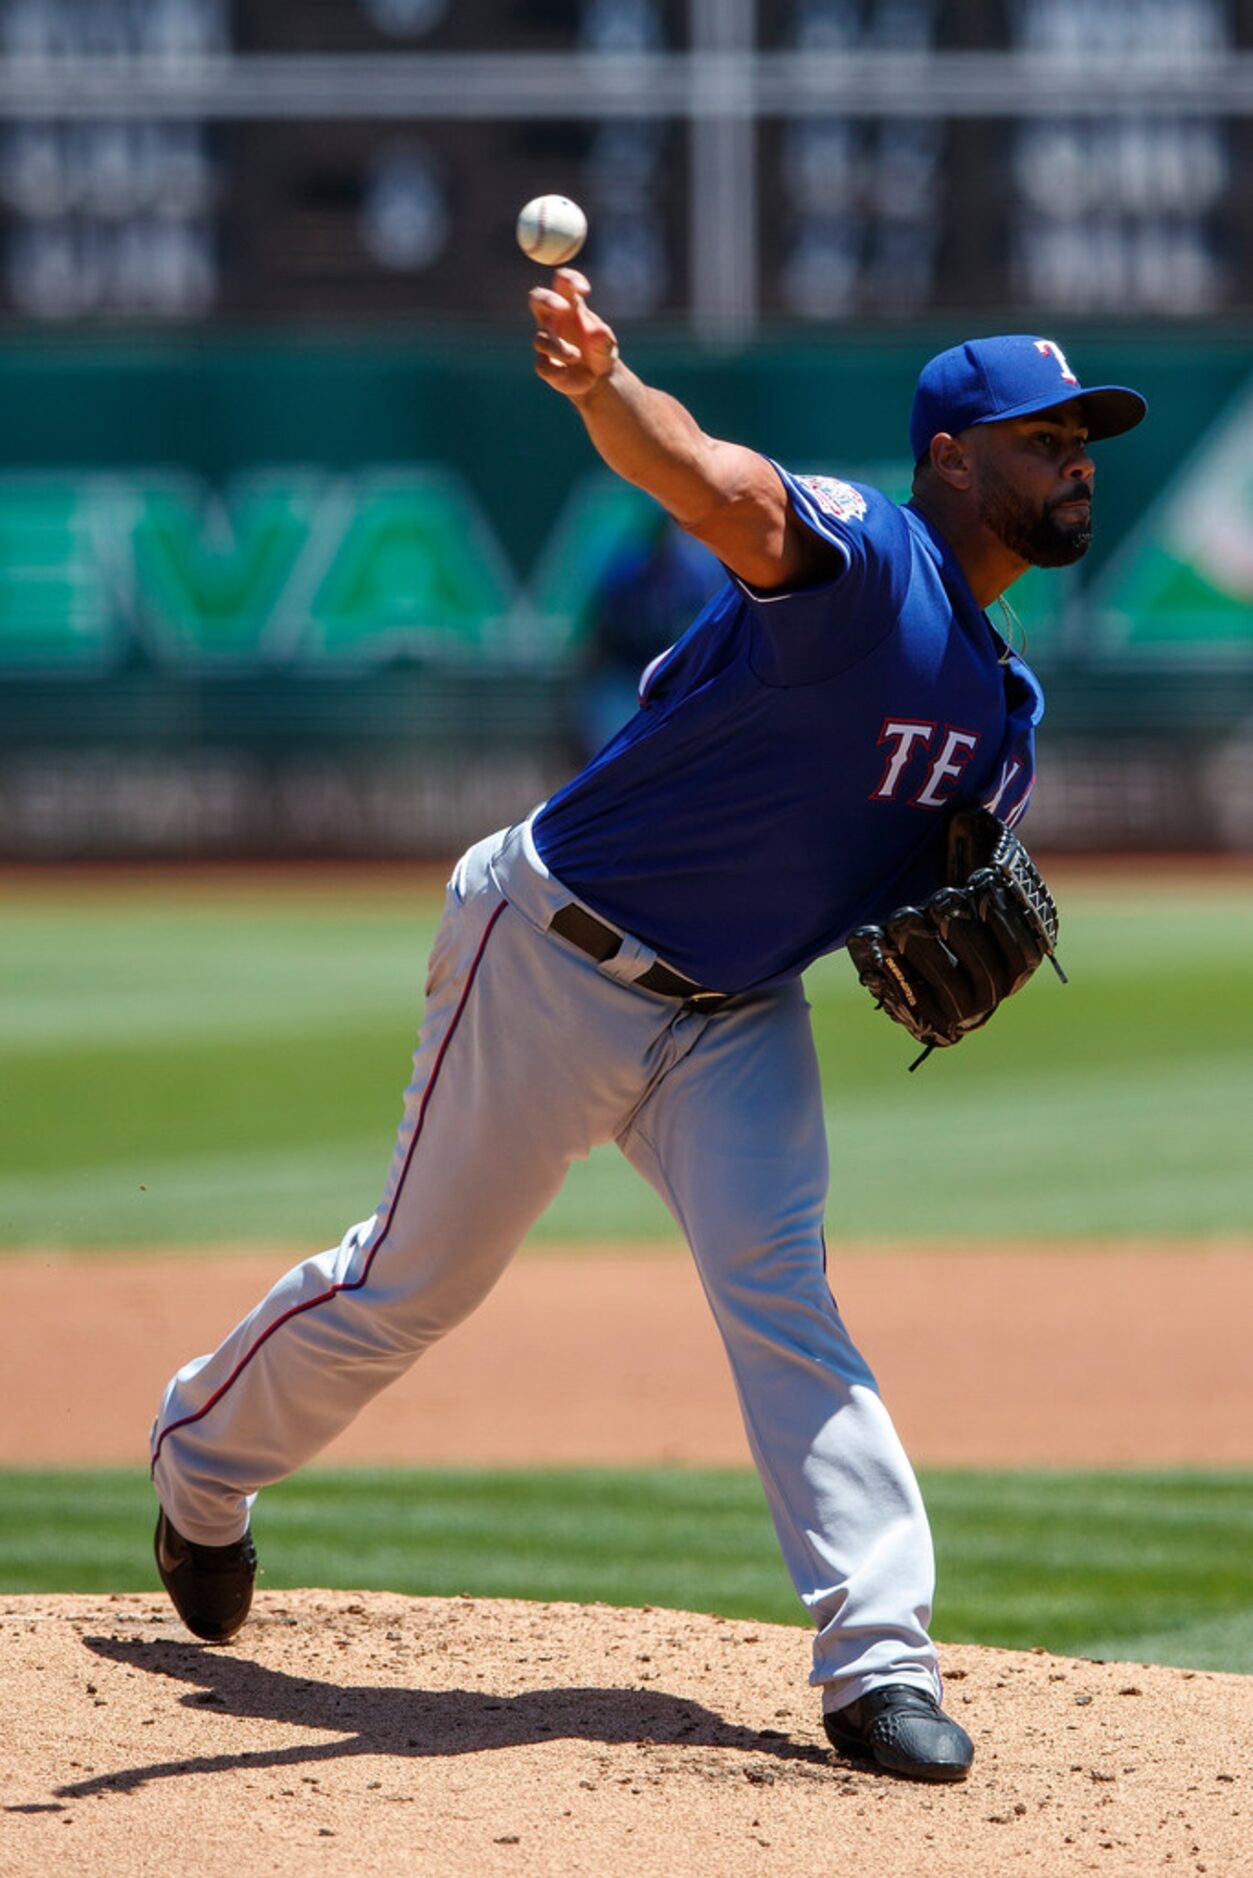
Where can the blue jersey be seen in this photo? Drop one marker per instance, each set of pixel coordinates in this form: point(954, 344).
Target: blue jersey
point(796, 755)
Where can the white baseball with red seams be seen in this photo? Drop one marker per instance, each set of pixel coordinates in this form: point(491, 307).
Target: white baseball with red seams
point(551, 230)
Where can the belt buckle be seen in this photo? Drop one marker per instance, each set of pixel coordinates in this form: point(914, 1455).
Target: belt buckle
point(706, 997)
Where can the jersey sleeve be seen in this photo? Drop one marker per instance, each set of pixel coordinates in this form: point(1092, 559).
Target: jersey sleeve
point(808, 634)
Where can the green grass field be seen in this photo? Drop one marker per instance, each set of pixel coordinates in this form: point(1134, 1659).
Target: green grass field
point(183, 1066)
point(1130, 1566)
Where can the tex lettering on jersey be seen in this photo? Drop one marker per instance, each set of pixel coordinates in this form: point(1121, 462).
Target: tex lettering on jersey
point(1012, 793)
point(925, 763)
point(926, 757)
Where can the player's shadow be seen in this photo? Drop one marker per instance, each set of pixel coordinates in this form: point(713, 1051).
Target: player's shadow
point(409, 1720)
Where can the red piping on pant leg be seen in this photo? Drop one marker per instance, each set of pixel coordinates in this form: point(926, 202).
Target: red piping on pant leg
point(354, 1284)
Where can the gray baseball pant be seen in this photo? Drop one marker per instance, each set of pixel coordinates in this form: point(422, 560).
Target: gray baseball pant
point(530, 1055)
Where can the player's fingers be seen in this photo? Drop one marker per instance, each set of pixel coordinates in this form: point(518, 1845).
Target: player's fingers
point(570, 380)
point(553, 346)
point(570, 284)
point(545, 304)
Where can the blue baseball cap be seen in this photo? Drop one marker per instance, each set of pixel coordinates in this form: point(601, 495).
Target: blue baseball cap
point(986, 380)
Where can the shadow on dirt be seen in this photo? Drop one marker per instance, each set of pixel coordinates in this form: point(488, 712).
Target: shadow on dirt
point(410, 1721)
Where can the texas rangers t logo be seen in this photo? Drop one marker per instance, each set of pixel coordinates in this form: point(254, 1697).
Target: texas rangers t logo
point(1051, 350)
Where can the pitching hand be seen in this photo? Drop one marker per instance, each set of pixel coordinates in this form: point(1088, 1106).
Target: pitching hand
point(574, 348)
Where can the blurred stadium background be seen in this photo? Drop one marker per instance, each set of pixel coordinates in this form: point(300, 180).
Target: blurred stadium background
point(296, 556)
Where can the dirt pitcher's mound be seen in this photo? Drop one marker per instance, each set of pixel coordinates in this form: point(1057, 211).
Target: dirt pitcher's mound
point(359, 1735)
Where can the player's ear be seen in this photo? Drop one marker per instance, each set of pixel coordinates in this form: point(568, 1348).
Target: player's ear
point(951, 460)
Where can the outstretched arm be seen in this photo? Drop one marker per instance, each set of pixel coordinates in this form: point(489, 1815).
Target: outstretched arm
point(725, 495)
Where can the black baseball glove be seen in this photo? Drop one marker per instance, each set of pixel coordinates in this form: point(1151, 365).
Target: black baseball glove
point(942, 968)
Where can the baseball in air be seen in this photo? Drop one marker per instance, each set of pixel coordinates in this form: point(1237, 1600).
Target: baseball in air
point(551, 230)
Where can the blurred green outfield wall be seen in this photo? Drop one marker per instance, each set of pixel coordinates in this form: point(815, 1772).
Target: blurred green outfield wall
point(224, 408)
point(245, 578)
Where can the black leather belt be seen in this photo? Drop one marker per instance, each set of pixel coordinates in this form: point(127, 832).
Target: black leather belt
point(601, 942)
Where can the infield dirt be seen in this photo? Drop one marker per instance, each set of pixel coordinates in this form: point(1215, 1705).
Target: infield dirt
point(472, 1738)
point(1076, 1356)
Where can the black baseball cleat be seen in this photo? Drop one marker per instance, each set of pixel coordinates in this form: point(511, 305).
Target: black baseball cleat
point(210, 1585)
point(904, 1731)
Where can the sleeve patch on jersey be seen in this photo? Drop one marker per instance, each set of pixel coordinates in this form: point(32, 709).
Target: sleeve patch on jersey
point(835, 498)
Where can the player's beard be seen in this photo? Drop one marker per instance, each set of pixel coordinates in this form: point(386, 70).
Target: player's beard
point(1035, 536)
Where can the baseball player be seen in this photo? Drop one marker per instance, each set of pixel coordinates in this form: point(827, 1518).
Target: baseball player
point(625, 964)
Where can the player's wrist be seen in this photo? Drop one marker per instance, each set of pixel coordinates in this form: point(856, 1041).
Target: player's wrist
point(604, 383)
